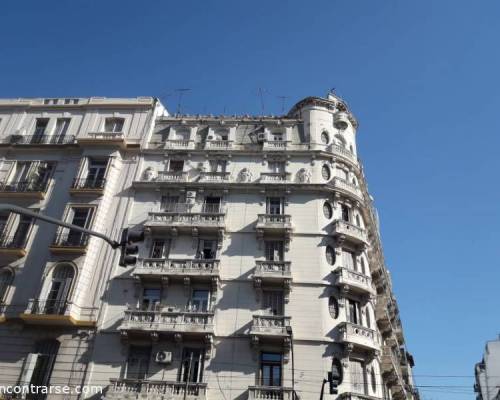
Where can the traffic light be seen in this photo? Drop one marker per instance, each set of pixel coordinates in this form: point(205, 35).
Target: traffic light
point(128, 250)
point(333, 383)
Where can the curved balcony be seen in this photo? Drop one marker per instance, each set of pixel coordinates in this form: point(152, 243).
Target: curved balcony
point(275, 177)
point(177, 269)
point(270, 393)
point(58, 313)
point(342, 152)
point(270, 329)
point(346, 231)
point(197, 324)
point(274, 224)
point(359, 336)
point(144, 389)
point(273, 272)
point(353, 281)
point(347, 188)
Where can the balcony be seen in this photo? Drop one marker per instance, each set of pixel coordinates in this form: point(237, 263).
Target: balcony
point(67, 242)
point(142, 389)
point(39, 140)
point(211, 221)
point(359, 336)
point(353, 281)
point(275, 177)
point(172, 176)
point(197, 324)
point(87, 186)
point(24, 189)
point(215, 177)
point(103, 139)
point(12, 247)
point(270, 393)
point(273, 272)
point(391, 366)
point(58, 313)
point(342, 152)
point(356, 396)
point(347, 188)
point(275, 145)
point(270, 328)
point(274, 224)
point(221, 145)
point(347, 231)
point(175, 269)
point(173, 144)
point(382, 315)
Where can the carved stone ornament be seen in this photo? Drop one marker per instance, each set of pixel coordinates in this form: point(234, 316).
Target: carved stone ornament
point(304, 175)
point(149, 174)
point(245, 175)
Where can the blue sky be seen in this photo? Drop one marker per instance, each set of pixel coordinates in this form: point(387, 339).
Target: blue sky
point(422, 78)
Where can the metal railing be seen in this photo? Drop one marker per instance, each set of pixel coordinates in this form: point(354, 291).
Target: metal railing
point(171, 390)
point(23, 187)
point(13, 242)
point(47, 306)
point(41, 139)
point(88, 183)
point(66, 238)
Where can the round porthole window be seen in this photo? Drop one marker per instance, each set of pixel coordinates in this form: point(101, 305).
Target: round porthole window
point(325, 172)
point(325, 138)
point(333, 307)
point(327, 210)
point(330, 255)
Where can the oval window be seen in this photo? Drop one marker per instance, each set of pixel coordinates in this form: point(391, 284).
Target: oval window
point(333, 307)
point(325, 172)
point(330, 255)
point(327, 210)
point(325, 138)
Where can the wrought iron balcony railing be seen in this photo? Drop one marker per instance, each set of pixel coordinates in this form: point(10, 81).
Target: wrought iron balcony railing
point(47, 306)
point(13, 242)
point(40, 139)
point(66, 238)
point(23, 187)
point(88, 184)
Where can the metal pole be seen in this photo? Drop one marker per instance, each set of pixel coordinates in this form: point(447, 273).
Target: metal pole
point(24, 211)
point(322, 389)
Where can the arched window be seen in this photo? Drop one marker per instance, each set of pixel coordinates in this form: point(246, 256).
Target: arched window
point(330, 255)
point(325, 172)
point(327, 210)
point(373, 377)
point(6, 278)
point(58, 290)
point(46, 353)
point(325, 137)
point(333, 307)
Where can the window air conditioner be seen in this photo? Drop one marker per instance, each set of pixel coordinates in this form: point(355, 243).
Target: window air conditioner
point(163, 357)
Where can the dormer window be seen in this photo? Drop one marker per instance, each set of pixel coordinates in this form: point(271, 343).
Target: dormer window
point(114, 125)
point(277, 136)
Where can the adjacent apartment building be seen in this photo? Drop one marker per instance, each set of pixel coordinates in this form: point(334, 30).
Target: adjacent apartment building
point(261, 271)
point(487, 373)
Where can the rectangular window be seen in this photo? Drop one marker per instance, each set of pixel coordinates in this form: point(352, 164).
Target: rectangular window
point(176, 165)
point(40, 127)
point(160, 248)
point(276, 166)
point(79, 216)
point(14, 230)
point(272, 302)
point(191, 369)
point(275, 205)
point(354, 315)
point(358, 376)
point(138, 362)
point(31, 175)
point(96, 172)
point(349, 259)
point(212, 204)
point(207, 249)
point(114, 125)
point(274, 250)
point(61, 129)
point(346, 213)
point(151, 299)
point(200, 300)
point(270, 369)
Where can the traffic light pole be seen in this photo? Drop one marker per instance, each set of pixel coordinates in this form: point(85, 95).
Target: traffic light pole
point(20, 210)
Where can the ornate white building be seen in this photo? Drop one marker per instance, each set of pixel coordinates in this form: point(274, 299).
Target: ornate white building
point(261, 272)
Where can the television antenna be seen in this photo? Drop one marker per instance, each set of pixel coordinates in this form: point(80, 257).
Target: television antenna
point(283, 98)
point(180, 93)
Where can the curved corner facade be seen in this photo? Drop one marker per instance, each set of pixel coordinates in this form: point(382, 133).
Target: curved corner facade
point(261, 272)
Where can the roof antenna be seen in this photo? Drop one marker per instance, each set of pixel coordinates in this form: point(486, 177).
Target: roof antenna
point(261, 100)
point(282, 103)
point(179, 103)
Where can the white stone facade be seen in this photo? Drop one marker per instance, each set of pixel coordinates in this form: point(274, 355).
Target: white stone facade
point(261, 270)
point(487, 372)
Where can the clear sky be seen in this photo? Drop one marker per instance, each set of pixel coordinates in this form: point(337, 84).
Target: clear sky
point(422, 78)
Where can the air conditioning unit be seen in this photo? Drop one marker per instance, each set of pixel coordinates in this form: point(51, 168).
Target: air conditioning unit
point(262, 137)
point(163, 357)
point(210, 136)
point(191, 194)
